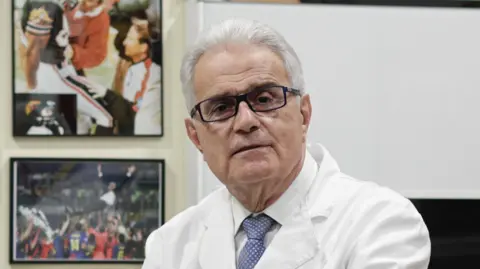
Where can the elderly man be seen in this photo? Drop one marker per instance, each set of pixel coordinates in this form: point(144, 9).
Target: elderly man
point(283, 206)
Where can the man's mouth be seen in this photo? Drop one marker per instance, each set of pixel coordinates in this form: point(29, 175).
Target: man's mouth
point(247, 148)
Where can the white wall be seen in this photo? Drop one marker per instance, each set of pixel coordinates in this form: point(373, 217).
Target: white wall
point(395, 90)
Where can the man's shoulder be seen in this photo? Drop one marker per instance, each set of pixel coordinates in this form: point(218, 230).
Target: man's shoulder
point(346, 191)
point(99, 23)
point(189, 220)
point(104, 16)
point(154, 77)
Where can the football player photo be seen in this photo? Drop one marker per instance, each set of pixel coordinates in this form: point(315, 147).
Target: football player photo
point(107, 53)
point(73, 210)
point(45, 114)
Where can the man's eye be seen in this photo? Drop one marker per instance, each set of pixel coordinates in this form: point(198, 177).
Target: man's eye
point(264, 99)
point(220, 108)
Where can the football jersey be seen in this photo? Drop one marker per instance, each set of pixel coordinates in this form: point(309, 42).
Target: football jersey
point(42, 18)
point(118, 252)
point(76, 240)
point(22, 249)
point(59, 246)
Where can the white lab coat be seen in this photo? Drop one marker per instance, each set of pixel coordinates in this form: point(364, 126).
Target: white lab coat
point(343, 223)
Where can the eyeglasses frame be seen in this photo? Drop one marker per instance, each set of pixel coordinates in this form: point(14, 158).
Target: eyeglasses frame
point(243, 97)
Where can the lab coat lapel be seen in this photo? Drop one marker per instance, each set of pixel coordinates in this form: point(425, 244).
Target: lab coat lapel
point(217, 247)
point(296, 242)
point(293, 245)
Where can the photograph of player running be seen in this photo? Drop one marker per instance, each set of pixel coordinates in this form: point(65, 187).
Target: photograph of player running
point(74, 210)
point(84, 47)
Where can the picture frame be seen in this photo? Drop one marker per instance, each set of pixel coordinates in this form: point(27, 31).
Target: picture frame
point(104, 57)
point(84, 210)
point(388, 3)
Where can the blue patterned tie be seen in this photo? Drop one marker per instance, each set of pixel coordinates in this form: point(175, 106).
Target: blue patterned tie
point(256, 228)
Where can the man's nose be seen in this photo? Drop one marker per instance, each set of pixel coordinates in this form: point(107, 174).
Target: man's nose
point(246, 120)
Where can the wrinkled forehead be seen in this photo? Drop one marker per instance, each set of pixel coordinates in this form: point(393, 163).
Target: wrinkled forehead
point(231, 69)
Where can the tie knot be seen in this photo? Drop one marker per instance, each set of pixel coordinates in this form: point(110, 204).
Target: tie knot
point(257, 227)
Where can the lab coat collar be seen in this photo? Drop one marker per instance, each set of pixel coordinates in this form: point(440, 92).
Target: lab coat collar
point(296, 242)
point(297, 238)
point(328, 167)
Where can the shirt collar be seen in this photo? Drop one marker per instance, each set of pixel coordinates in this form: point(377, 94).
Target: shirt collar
point(285, 205)
point(93, 13)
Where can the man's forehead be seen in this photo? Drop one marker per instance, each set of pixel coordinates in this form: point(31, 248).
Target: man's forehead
point(225, 71)
point(238, 55)
point(244, 87)
point(131, 31)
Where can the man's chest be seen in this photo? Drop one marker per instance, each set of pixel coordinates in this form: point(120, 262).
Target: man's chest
point(331, 250)
point(134, 84)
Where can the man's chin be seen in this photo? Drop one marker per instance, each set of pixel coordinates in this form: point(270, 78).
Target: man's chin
point(254, 170)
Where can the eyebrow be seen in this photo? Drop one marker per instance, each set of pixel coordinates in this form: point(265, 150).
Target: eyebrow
point(252, 87)
point(221, 95)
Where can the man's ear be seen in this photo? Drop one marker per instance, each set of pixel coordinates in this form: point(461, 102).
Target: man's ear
point(192, 133)
point(306, 111)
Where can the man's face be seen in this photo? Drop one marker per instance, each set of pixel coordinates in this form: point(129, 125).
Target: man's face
point(68, 5)
point(88, 5)
point(132, 45)
point(235, 69)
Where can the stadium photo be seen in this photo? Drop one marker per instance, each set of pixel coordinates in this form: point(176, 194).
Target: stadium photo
point(84, 210)
point(107, 53)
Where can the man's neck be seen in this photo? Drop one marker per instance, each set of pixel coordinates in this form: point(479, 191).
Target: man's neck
point(139, 58)
point(257, 197)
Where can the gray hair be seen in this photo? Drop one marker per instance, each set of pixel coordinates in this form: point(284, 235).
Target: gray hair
point(239, 30)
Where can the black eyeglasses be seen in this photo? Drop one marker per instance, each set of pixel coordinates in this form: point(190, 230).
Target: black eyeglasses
point(263, 99)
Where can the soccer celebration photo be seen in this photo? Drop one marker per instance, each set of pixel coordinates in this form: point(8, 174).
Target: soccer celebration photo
point(84, 210)
point(105, 54)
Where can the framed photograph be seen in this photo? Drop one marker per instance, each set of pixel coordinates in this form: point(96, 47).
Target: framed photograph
point(84, 210)
point(396, 3)
point(87, 68)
